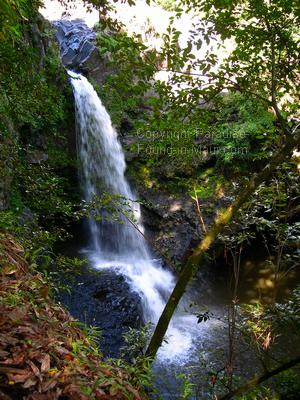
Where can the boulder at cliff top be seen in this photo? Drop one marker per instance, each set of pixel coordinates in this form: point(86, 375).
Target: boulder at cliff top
point(77, 43)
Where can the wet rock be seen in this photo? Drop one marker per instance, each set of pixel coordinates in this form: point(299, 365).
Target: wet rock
point(79, 51)
point(98, 68)
point(6, 162)
point(28, 219)
point(205, 145)
point(126, 125)
point(104, 299)
point(5, 182)
point(37, 36)
point(172, 224)
point(36, 156)
point(128, 144)
point(77, 44)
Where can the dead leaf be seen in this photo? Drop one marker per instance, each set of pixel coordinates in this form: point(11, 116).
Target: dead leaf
point(105, 371)
point(41, 337)
point(18, 358)
point(74, 392)
point(3, 396)
point(46, 396)
point(101, 395)
point(50, 384)
point(61, 350)
point(20, 378)
point(11, 370)
point(105, 384)
point(68, 357)
point(34, 368)
point(9, 270)
point(45, 291)
point(3, 354)
point(29, 383)
point(45, 363)
point(113, 391)
point(8, 361)
point(133, 391)
point(26, 330)
point(5, 339)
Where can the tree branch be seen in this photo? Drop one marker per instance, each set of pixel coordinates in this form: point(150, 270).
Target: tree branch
point(220, 222)
point(256, 381)
point(235, 86)
point(279, 116)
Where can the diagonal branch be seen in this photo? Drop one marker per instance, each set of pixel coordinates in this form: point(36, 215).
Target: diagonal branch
point(256, 381)
point(220, 222)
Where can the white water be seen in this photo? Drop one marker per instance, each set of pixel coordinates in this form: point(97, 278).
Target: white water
point(115, 245)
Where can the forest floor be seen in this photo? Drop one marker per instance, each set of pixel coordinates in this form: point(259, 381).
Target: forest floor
point(44, 355)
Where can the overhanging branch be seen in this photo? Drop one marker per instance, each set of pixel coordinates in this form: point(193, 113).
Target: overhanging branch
point(220, 222)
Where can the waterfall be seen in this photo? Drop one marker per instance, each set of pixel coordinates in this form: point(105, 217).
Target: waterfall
point(103, 169)
point(119, 245)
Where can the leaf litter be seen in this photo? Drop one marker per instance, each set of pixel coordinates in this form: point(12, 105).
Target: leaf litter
point(37, 359)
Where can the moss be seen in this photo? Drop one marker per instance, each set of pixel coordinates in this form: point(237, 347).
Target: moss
point(35, 121)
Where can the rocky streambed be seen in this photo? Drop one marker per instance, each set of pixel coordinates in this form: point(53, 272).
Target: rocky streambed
point(103, 299)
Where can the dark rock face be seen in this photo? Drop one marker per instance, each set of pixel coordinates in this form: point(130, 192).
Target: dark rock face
point(79, 52)
point(172, 224)
point(104, 299)
point(4, 191)
point(77, 44)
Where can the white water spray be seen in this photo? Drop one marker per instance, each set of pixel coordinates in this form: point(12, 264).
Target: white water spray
point(115, 245)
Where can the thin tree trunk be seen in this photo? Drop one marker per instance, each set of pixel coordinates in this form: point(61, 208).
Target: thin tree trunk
point(200, 213)
point(222, 219)
point(256, 381)
point(232, 313)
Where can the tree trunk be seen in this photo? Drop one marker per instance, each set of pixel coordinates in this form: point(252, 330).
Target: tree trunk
point(222, 219)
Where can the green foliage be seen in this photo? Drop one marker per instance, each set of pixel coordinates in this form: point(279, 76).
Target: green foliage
point(13, 14)
point(42, 189)
point(261, 65)
point(187, 387)
point(272, 211)
point(287, 384)
point(130, 76)
point(262, 325)
point(257, 325)
point(135, 342)
point(244, 129)
point(139, 366)
point(32, 102)
point(72, 265)
point(208, 185)
point(287, 314)
point(40, 103)
point(33, 117)
point(261, 60)
point(39, 212)
point(168, 5)
point(139, 373)
point(259, 393)
point(237, 132)
point(109, 207)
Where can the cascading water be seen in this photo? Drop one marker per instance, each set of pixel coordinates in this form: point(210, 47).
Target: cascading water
point(103, 169)
point(120, 245)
